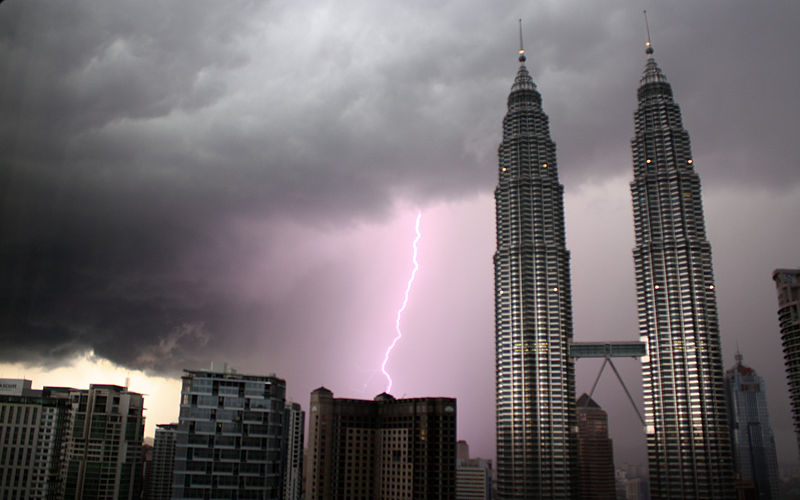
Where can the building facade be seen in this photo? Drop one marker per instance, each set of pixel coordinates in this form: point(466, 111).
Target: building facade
point(684, 398)
point(753, 443)
point(595, 453)
point(32, 429)
point(228, 441)
point(535, 377)
point(159, 486)
point(292, 450)
point(104, 443)
point(787, 282)
point(386, 448)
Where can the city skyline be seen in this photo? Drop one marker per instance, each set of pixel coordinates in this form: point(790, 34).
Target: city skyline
point(238, 188)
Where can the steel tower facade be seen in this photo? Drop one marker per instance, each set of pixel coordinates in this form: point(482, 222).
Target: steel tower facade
point(685, 413)
point(536, 424)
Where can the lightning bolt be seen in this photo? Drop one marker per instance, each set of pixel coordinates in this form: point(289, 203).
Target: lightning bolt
point(397, 329)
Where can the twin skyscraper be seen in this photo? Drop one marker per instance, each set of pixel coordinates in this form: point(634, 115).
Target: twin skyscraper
point(684, 399)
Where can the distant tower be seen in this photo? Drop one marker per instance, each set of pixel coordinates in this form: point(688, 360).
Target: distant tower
point(787, 281)
point(292, 450)
point(685, 413)
point(160, 486)
point(751, 433)
point(535, 375)
point(595, 452)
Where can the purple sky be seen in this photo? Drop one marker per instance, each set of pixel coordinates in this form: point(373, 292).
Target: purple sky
point(181, 182)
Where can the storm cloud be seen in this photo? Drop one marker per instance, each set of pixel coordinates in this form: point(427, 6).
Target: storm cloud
point(185, 180)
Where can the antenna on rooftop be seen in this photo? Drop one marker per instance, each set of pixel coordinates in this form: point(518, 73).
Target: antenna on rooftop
point(649, 44)
point(521, 46)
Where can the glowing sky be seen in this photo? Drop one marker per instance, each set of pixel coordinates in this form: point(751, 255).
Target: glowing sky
point(181, 183)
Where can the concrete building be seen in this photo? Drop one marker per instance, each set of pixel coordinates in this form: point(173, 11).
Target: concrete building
point(753, 443)
point(228, 441)
point(292, 450)
point(104, 443)
point(595, 452)
point(32, 430)
point(787, 282)
point(473, 479)
point(159, 486)
point(684, 399)
point(381, 449)
point(535, 376)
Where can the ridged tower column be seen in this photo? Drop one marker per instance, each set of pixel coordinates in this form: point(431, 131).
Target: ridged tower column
point(684, 399)
point(536, 440)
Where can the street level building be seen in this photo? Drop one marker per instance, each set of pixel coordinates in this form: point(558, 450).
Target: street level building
point(32, 428)
point(386, 449)
point(228, 442)
point(787, 282)
point(595, 453)
point(535, 376)
point(684, 399)
point(752, 440)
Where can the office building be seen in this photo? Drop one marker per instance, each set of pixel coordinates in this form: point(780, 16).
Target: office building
point(595, 452)
point(684, 399)
point(104, 443)
point(228, 441)
point(535, 376)
point(787, 282)
point(473, 479)
point(752, 440)
point(159, 485)
point(32, 428)
point(292, 450)
point(386, 448)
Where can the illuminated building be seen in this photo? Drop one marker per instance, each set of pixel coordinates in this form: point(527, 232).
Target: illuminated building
point(535, 378)
point(787, 282)
point(228, 441)
point(386, 448)
point(684, 399)
point(595, 453)
point(752, 440)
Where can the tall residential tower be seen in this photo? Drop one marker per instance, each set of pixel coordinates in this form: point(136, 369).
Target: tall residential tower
point(536, 441)
point(685, 413)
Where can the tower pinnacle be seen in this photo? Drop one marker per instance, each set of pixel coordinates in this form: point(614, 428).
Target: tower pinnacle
point(649, 44)
point(521, 47)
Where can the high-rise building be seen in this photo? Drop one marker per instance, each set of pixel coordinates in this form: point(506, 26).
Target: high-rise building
point(159, 486)
point(752, 440)
point(535, 376)
point(684, 398)
point(386, 448)
point(595, 452)
point(104, 443)
point(787, 282)
point(292, 450)
point(228, 441)
point(32, 428)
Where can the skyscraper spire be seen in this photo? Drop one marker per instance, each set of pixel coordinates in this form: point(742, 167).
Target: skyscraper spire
point(536, 439)
point(649, 44)
point(521, 46)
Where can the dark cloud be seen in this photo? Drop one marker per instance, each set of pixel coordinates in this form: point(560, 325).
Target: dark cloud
point(179, 178)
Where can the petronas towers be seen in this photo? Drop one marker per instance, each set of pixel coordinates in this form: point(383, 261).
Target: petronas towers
point(685, 413)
